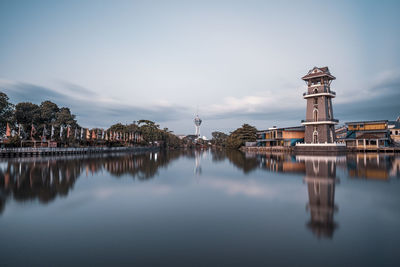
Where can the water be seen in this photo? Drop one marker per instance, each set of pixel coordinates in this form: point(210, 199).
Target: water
point(200, 208)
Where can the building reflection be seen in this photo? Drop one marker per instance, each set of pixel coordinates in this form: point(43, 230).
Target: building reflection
point(281, 162)
point(321, 180)
point(373, 166)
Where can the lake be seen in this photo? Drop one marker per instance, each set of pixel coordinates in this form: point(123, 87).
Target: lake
point(200, 208)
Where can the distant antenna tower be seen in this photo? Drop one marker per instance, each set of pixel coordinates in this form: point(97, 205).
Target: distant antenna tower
point(197, 123)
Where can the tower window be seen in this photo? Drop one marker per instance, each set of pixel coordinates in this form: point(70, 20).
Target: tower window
point(315, 101)
point(315, 90)
point(315, 137)
point(315, 114)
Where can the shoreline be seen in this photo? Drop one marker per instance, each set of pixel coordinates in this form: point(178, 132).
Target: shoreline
point(293, 150)
point(45, 151)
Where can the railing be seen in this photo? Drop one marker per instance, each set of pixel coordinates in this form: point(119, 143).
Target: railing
point(320, 120)
point(337, 144)
point(63, 150)
point(324, 92)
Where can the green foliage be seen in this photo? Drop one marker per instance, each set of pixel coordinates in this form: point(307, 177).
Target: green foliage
point(151, 131)
point(45, 115)
point(26, 114)
point(219, 138)
point(65, 118)
point(240, 136)
point(118, 127)
point(48, 112)
point(6, 112)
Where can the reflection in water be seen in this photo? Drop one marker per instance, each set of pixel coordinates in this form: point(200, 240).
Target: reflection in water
point(373, 166)
point(198, 154)
point(246, 162)
point(258, 207)
point(320, 176)
point(362, 165)
point(321, 180)
point(46, 178)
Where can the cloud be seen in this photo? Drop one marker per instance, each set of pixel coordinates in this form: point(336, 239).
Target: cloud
point(259, 106)
point(92, 109)
point(252, 188)
point(108, 192)
point(379, 100)
point(282, 106)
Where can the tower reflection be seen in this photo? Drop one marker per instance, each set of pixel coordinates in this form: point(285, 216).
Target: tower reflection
point(320, 177)
point(321, 181)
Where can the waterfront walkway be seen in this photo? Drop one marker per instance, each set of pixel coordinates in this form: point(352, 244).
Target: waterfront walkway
point(347, 149)
point(45, 151)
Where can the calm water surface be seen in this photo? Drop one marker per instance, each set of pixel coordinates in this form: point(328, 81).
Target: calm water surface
point(200, 208)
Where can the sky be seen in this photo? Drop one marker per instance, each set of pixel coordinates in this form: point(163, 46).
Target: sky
point(232, 62)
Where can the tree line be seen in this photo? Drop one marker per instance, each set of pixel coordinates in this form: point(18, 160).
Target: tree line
point(29, 121)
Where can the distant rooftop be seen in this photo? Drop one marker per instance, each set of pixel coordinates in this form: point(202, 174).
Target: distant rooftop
point(366, 122)
point(293, 128)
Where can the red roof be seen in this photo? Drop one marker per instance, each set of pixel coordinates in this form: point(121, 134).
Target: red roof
point(318, 72)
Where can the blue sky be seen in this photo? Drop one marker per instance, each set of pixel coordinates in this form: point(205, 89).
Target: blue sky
point(237, 61)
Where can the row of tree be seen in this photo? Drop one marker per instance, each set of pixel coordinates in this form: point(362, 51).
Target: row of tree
point(150, 133)
point(26, 118)
point(30, 121)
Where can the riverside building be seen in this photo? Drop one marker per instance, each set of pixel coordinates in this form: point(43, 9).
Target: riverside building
point(367, 134)
point(274, 137)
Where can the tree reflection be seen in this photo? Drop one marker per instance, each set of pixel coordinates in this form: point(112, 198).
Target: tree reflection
point(44, 179)
point(244, 161)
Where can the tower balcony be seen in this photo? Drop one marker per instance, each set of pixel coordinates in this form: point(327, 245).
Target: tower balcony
point(321, 121)
point(328, 94)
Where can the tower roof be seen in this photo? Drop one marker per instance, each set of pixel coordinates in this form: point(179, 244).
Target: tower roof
point(318, 72)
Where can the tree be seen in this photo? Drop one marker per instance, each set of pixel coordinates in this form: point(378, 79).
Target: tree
point(65, 118)
point(219, 138)
point(240, 136)
point(118, 127)
point(48, 111)
point(26, 114)
point(6, 112)
point(150, 130)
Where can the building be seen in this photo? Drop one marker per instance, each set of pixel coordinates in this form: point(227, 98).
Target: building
point(394, 128)
point(341, 133)
point(319, 123)
point(367, 134)
point(273, 137)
